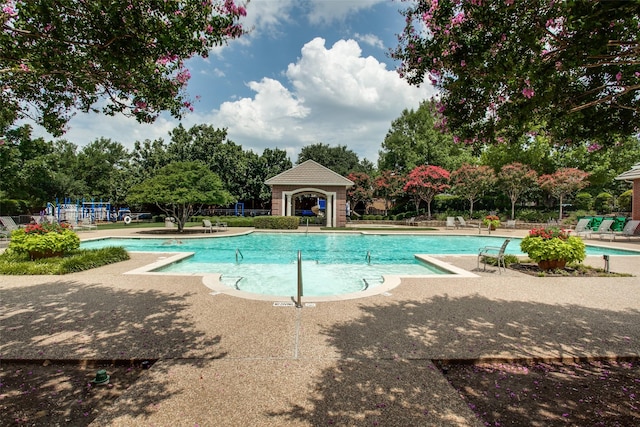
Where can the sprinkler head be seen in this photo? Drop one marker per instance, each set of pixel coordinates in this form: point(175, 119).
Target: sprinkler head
point(101, 378)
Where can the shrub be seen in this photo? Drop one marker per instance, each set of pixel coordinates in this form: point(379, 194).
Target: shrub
point(12, 263)
point(603, 203)
point(624, 201)
point(44, 240)
point(583, 201)
point(552, 243)
point(276, 222)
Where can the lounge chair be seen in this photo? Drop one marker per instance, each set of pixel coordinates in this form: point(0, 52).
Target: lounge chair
point(605, 229)
point(221, 225)
point(208, 227)
point(511, 223)
point(87, 224)
point(494, 252)
point(582, 228)
point(411, 221)
point(8, 223)
point(630, 230)
point(463, 223)
point(451, 222)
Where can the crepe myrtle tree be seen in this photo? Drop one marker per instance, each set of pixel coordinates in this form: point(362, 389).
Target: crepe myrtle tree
point(470, 182)
point(515, 179)
point(501, 65)
point(563, 182)
point(101, 55)
point(179, 189)
point(424, 182)
point(388, 185)
point(361, 191)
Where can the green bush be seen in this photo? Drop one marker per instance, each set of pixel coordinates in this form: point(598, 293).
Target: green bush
point(553, 244)
point(624, 201)
point(276, 222)
point(583, 201)
point(12, 263)
point(44, 240)
point(603, 203)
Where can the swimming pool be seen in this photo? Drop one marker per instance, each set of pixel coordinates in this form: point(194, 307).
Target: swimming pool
point(333, 263)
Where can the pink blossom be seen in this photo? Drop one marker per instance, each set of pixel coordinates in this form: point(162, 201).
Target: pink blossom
point(637, 74)
point(619, 76)
point(9, 10)
point(463, 63)
point(508, 2)
point(528, 92)
point(458, 19)
point(24, 67)
point(593, 147)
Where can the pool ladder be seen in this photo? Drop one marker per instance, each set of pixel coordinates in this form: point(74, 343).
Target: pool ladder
point(239, 258)
point(368, 257)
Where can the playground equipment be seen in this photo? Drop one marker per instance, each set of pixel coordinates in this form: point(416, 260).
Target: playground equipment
point(68, 211)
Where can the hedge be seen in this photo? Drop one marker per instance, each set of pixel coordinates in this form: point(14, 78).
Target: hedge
point(276, 222)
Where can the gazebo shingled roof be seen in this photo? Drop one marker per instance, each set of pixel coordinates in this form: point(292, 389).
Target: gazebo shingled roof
point(309, 173)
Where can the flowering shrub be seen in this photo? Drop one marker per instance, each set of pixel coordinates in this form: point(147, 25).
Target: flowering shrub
point(491, 220)
point(553, 243)
point(44, 240)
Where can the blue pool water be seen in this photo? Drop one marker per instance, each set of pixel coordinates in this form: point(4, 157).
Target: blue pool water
point(332, 263)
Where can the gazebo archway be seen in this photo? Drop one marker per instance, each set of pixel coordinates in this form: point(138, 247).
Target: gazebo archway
point(310, 178)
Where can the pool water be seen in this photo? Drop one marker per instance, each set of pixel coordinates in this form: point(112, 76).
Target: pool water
point(332, 264)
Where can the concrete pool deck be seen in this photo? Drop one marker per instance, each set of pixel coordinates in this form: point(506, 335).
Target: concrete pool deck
point(223, 360)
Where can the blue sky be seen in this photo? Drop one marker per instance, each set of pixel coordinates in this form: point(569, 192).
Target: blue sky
point(309, 71)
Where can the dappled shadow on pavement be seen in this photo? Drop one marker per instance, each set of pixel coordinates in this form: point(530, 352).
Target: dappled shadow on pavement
point(384, 372)
point(67, 320)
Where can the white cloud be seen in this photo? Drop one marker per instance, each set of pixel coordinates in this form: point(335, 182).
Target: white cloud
point(337, 97)
point(327, 11)
point(370, 39)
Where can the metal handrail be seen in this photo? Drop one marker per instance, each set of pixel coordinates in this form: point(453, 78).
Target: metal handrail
point(239, 253)
point(299, 300)
point(368, 257)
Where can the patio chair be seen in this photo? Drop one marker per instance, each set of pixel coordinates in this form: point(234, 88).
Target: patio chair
point(8, 223)
point(221, 226)
point(582, 227)
point(494, 252)
point(411, 221)
point(511, 223)
point(630, 230)
point(87, 224)
point(463, 223)
point(605, 229)
point(451, 222)
point(208, 227)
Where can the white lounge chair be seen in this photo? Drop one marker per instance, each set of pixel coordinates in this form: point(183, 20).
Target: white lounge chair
point(451, 222)
point(411, 221)
point(208, 227)
point(221, 225)
point(463, 223)
point(8, 223)
point(495, 252)
point(630, 230)
point(582, 228)
point(605, 229)
point(511, 223)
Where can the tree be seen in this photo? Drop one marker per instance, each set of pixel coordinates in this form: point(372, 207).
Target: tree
point(58, 56)
point(424, 182)
point(339, 159)
point(388, 185)
point(180, 188)
point(563, 182)
point(362, 190)
point(572, 66)
point(101, 166)
point(471, 182)
point(516, 178)
point(414, 140)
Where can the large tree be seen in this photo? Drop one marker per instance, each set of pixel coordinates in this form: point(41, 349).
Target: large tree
point(414, 140)
point(362, 190)
point(515, 179)
point(339, 159)
point(424, 182)
point(572, 66)
point(470, 182)
point(179, 189)
point(563, 182)
point(59, 56)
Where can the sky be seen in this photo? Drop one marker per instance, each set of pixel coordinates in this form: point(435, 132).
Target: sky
point(308, 72)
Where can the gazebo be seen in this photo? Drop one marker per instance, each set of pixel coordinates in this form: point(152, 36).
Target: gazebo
point(633, 176)
point(310, 178)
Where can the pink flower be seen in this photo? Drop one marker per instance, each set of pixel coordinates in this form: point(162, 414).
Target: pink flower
point(458, 19)
point(619, 76)
point(528, 92)
point(24, 67)
point(463, 63)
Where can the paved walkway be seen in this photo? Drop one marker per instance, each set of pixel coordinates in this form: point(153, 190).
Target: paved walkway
point(223, 360)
